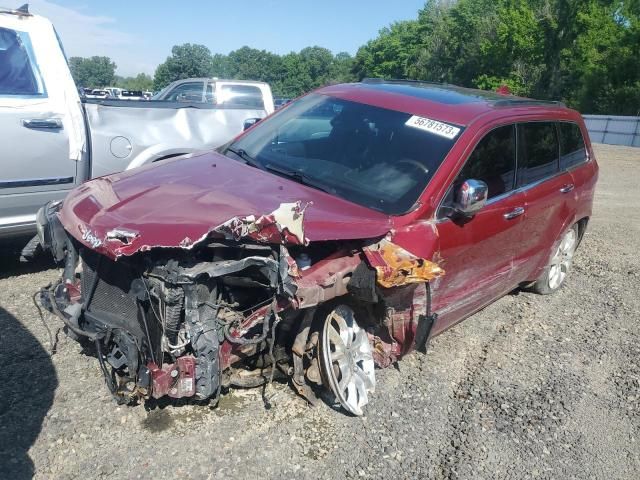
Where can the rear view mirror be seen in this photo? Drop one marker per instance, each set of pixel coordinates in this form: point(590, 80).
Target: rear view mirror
point(471, 197)
point(250, 122)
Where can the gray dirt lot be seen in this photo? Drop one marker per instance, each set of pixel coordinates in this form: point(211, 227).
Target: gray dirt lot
point(531, 387)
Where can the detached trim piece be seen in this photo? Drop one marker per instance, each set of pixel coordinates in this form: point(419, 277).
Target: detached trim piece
point(36, 182)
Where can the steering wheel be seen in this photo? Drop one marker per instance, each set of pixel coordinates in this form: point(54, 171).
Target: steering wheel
point(415, 164)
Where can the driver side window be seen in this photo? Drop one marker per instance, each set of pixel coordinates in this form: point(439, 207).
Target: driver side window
point(493, 161)
point(18, 70)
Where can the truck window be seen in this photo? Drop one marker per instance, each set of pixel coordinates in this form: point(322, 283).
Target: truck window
point(18, 71)
point(537, 152)
point(572, 149)
point(246, 96)
point(186, 92)
point(209, 97)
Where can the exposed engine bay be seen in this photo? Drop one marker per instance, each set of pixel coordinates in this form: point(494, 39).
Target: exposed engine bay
point(240, 309)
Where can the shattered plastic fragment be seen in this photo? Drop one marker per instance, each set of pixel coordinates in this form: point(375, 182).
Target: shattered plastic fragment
point(396, 266)
point(122, 235)
point(283, 225)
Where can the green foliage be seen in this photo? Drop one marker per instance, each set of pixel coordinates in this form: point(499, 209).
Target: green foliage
point(584, 52)
point(252, 64)
point(289, 75)
point(142, 82)
point(186, 61)
point(392, 55)
point(604, 60)
point(92, 72)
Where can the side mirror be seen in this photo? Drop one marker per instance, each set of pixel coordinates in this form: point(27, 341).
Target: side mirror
point(250, 122)
point(471, 197)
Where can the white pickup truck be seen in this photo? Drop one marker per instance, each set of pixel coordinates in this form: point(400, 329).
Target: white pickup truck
point(53, 141)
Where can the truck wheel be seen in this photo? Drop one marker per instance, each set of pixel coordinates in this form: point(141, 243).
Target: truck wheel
point(31, 250)
point(555, 273)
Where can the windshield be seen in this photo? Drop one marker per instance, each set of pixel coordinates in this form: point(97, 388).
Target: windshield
point(378, 158)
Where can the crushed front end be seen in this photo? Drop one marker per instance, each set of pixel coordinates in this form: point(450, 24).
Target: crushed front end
point(249, 301)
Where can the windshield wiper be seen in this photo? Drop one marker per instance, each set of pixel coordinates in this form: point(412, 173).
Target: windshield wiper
point(248, 159)
point(300, 177)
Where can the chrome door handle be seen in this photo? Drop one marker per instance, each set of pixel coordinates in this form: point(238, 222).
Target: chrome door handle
point(516, 212)
point(43, 123)
point(567, 188)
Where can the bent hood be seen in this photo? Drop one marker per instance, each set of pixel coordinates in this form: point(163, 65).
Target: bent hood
point(180, 202)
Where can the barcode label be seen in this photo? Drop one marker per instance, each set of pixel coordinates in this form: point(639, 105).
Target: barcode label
point(433, 126)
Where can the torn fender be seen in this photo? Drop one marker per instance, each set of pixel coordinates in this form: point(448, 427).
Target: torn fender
point(396, 266)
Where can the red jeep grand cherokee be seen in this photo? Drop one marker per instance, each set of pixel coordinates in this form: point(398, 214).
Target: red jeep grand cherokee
point(339, 234)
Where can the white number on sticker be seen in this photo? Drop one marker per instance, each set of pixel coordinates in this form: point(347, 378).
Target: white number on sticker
point(433, 126)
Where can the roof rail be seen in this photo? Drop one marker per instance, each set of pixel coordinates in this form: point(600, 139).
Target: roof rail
point(506, 101)
point(22, 11)
point(373, 81)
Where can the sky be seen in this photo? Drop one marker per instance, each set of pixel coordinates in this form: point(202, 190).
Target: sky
point(139, 34)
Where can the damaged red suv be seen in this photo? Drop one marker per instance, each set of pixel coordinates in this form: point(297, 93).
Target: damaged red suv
point(334, 237)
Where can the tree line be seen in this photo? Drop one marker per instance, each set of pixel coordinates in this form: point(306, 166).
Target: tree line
point(583, 52)
point(289, 75)
point(96, 72)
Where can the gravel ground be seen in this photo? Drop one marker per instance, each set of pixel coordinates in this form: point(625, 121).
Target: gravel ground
point(531, 387)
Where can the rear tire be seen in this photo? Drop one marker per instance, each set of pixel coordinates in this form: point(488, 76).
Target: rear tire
point(555, 273)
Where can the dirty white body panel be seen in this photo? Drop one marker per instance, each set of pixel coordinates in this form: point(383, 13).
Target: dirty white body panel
point(52, 142)
point(126, 135)
point(44, 145)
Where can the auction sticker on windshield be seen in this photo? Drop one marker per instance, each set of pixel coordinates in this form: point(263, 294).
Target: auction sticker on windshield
point(433, 126)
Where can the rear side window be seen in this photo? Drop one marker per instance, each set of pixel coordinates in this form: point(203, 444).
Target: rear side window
point(493, 161)
point(241, 96)
point(18, 71)
point(538, 156)
point(572, 148)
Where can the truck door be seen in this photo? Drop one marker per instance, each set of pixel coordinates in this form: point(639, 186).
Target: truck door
point(42, 139)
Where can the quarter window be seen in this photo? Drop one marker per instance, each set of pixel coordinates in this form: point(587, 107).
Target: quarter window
point(572, 149)
point(18, 71)
point(538, 145)
point(493, 161)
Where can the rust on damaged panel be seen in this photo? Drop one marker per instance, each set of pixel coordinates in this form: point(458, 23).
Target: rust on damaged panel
point(396, 266)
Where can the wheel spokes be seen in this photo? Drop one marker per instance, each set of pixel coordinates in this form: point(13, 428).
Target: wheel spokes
point(336, 339)
point(347, 359)
point(342, 327)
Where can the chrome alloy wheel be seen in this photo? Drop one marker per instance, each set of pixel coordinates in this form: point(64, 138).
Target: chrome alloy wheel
point(561, 261)
point(347, 359)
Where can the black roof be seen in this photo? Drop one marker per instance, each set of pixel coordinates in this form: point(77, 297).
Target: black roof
point(450, 94)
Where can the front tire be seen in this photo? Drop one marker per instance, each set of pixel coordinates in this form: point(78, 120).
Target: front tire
point(555, 273)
